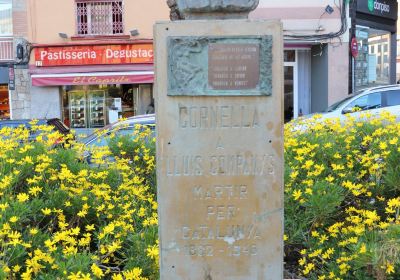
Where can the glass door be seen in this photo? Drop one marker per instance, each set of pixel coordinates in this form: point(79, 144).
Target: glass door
point(290, 86)
point(288, 93)
point(97, 108)
point(77, 105)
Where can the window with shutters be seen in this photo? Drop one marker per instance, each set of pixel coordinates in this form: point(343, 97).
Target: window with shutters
point(96, 17)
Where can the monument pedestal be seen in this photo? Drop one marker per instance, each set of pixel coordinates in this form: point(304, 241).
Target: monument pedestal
point(219, 100)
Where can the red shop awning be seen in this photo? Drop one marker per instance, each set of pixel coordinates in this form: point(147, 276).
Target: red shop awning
point(95, 78)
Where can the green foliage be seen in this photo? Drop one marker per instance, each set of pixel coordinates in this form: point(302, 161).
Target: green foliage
point(63, 218)
point(342, 198)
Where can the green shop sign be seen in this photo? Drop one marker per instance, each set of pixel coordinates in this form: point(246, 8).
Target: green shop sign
point(371, 5)
point(380, 8)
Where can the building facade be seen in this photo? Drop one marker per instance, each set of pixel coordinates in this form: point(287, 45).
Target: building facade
point(333, 48)
point(374, 28)
point(91, 61)
point(13, 56)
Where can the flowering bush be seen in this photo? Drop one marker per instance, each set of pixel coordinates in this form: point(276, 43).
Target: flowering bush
point(62, 218)
point(342, 198)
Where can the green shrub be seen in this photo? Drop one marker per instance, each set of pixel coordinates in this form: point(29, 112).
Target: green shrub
point(62, 218)
point(342, 198)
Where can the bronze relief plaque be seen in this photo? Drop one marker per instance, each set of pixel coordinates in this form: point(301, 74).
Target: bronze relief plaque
point(220, 66)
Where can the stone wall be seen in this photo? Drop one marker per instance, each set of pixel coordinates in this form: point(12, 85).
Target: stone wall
point(20, 97)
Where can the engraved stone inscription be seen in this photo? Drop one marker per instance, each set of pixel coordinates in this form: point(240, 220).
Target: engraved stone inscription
point(233, 66)
point(220, 165)
point(219, 150)
point(213, 117)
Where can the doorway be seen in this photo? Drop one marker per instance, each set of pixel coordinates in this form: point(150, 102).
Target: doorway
point(290, 85)
point(297, 95)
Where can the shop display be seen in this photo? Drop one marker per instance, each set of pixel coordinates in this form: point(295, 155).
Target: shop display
point(97, 106)
point(361, 69)
point(4, 103)
point(77, 104)
point(94, 106)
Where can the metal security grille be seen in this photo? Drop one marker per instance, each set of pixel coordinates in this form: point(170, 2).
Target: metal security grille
point(99, 17)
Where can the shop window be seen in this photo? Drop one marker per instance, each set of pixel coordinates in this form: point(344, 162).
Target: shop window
point(99, 17)
point(385, 59)
point(371, 66)
point(95, 106)
point(385, 48)
point(4, 103)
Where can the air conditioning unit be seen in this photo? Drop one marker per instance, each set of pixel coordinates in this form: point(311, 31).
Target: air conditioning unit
point(22, 50)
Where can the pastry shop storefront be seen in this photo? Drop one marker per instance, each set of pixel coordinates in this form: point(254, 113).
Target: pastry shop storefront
point(90, 86)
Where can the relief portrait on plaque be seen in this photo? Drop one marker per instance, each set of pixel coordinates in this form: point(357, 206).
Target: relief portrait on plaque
point(184, 69)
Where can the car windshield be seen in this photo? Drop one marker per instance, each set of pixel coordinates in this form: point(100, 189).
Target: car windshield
point(336, 105)
point(97, 133)
point(147, 120)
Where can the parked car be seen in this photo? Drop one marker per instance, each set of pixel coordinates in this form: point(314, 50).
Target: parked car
point(125, 127)
point(101, 137)
point(374, 100)
point(55, 122)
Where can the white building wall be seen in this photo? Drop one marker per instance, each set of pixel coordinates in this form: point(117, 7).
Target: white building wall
point(45, 103)
point(306, 17)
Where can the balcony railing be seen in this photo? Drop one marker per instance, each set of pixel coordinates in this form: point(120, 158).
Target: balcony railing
point(6, 49)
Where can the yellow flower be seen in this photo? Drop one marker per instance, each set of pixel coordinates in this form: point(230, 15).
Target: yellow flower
point(117, 277)
point(27, 274)
point(14, 219)
point(383, 145)
point(46, 211)
point(22, 197)
point(97, 271)
point(323, 238)
point(35, 190)
point(363, 249)
point(314, 234)
point(394, 141)
point(309, 267)
point(297, 194)
point(89, 227)
point(133, 274)
point(389, 268)
point(3, 206)
point(82, 213)
point(33, 231)
point(152, 252)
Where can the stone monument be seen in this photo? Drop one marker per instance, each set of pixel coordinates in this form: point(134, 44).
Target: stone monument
point(219, 99)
